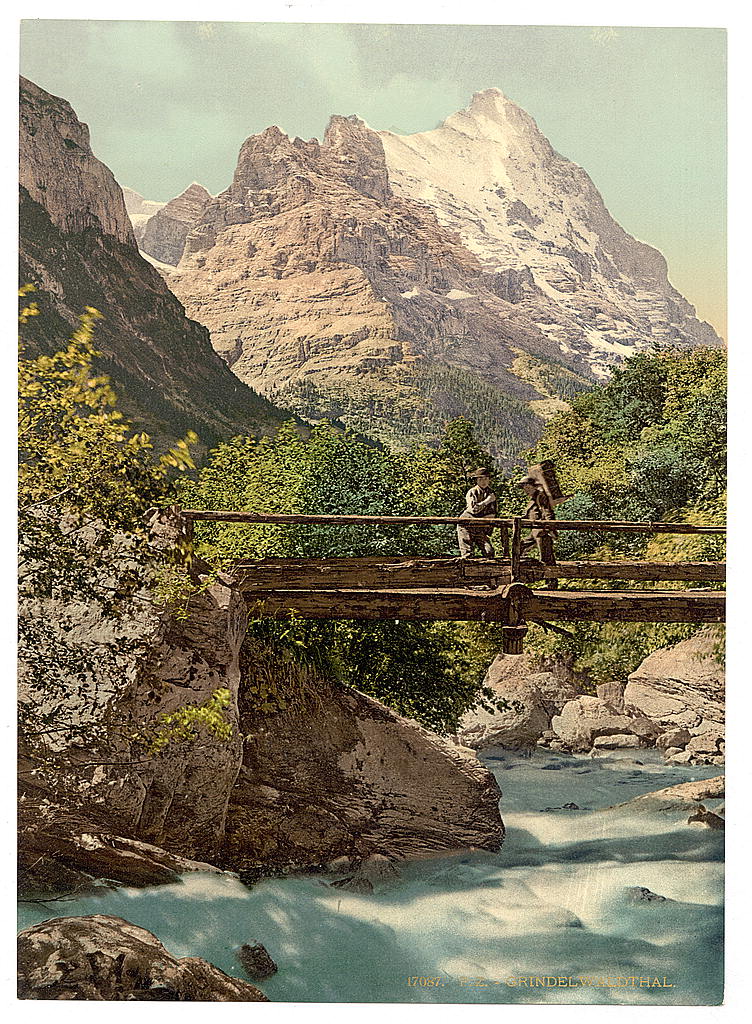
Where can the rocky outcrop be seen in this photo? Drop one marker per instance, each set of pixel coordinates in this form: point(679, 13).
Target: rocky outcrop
point(62, 850)
point(531, 696)
point(255, 961)
point(127, 788)
point(139, 211)
point(685, 796)
point(165, 233)
point(59, 171)
point(681, 686)
point(583, 719)
point(114, 766)
point(106, 958)
point(337, 773)
point(78, 249)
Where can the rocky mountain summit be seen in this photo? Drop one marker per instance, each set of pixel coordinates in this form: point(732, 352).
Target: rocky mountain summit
point(78, 248)
point(395, 281)
point(492, 177)
point(165, 232)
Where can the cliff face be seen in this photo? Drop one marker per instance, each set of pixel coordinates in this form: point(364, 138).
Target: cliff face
point(139, 210)
point(78, 248)
point(490, 175)
point(59, 171)
point(397, 281)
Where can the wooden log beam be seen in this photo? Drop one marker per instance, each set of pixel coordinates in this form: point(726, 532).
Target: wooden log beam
point(459, 605)
point(627, 606)
point(690, 572)
point(397, 573)
point(279, 518)
point(368, 572)
point(436, 605)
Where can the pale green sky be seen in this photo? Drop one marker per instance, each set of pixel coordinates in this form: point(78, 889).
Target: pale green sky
point(643, 110)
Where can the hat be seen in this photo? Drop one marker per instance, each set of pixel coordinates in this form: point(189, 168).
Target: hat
point(527, 480)
point(481, 471)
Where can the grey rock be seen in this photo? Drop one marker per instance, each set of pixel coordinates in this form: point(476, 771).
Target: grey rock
point(354, 779)
point(106, 958)
point(378, 868)
point(533, 695)
point(646, 729)
point(639, 894)
point(683, 757)
point(619, 741)
point(340, 865)
point(164, 234)
point(673, 738)
point(706, 817)
point(355, 884)
point(60, 172)
point(612, 693)
point(709, 741)
point(583, 719)
point(684, 796)
point(255, 961)
point(176, 799)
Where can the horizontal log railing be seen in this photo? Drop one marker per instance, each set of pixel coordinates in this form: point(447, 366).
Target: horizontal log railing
point(586, 525)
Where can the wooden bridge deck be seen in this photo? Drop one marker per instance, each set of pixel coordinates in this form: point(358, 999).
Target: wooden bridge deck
point(476, 589)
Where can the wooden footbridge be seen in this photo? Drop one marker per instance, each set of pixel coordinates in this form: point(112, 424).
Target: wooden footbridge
point(513, 591)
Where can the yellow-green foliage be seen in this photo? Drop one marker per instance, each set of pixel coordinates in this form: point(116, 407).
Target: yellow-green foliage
point(76, 449)
point(185, 724)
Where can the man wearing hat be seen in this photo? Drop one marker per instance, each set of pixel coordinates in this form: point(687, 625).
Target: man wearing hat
point(540, 507)
point(480, 503)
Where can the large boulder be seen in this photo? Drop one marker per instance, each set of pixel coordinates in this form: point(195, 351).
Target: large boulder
point(681, 686)
point(684, 796)
point(583, 719)
point(106, 958)
point(618, 741)
point(613, 693)
point(533, 697)
point(673, 739)
point(335, 773)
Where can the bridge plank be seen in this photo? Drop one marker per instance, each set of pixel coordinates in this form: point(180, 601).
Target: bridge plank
point(493, 606)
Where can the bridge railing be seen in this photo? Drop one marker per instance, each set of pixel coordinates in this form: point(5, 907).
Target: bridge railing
point(516, 523)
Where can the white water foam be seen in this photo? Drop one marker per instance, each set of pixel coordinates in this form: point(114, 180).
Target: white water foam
point(553, 904)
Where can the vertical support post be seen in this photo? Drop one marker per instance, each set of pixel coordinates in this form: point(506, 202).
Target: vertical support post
point(514, 630)
point(516, 552)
